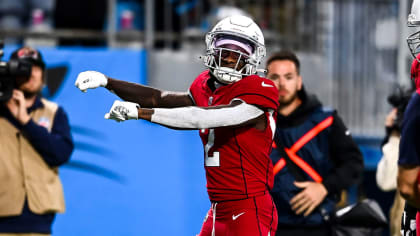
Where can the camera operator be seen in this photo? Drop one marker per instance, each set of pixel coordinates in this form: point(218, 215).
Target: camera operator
point(386, 174)
point(34, 140)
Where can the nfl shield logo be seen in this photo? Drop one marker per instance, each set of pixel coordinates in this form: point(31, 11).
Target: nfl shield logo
point(210, 100)
point(44, 122)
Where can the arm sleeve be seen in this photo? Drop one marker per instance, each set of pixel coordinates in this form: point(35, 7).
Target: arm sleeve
point(346, 157)
point(200, 118)
point(55, 147)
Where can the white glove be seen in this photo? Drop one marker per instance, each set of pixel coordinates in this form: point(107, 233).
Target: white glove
point(90, 80)
point(121, 111)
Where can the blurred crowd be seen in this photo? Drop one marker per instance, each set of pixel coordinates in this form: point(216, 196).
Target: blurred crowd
point(169, 16)
point(45, 15)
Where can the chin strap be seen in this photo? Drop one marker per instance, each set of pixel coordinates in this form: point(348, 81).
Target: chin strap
point(227, 75)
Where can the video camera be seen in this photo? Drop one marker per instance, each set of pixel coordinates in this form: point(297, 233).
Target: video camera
point(399, 99)
point(9, 71)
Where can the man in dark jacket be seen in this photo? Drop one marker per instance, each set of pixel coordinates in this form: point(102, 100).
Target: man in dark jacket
point(314, 155)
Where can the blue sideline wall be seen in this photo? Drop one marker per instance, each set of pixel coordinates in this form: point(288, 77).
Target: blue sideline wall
point(134, 177)
point(129, 178)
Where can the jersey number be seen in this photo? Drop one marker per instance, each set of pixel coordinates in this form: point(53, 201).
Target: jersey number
point(211, 160)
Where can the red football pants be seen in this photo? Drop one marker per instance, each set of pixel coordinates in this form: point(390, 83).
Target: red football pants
point(250, 217)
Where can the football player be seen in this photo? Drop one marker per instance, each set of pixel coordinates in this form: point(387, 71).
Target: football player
point(233, 109)
point(409, 153)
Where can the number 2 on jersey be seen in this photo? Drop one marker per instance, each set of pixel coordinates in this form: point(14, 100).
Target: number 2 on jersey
point(211, 160)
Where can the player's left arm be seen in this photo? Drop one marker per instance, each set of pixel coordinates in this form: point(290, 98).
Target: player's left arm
point(236, 114)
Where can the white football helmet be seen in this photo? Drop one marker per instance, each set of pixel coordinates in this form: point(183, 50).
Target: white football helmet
point(413, 20)
point(240, 31)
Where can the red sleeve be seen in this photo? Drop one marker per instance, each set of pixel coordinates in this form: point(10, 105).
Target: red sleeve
point(199, 89)
point(415, 73)
point(258, 91)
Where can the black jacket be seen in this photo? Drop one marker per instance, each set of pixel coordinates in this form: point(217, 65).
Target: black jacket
point(332, 153)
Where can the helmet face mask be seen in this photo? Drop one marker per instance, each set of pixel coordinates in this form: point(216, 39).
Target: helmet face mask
point(413, 42)
point(413, 20)
point(239, 31)
point(229, 64)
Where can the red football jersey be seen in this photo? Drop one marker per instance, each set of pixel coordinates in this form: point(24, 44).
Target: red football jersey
point(415, 73)
point(237, 160)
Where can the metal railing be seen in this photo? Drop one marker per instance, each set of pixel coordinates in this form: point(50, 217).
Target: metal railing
point(355, 41)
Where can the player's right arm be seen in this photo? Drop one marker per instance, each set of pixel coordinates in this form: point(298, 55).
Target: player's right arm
point(146, 96)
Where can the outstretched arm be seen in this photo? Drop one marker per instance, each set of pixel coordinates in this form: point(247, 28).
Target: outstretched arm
point(236, 114)
point(147, 96)
point(132, 92)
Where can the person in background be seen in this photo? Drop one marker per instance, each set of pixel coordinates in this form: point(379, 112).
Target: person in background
point(35, 140)
point(387, 170)
point(314, 158)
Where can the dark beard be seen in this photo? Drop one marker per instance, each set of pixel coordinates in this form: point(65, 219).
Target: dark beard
point(288, 102)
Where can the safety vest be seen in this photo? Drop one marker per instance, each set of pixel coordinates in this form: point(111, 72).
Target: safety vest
point(307, 145)
point(292, 151)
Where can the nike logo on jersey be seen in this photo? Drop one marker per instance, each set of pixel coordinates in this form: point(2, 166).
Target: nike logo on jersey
point(236, 217)
point(266, 85)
